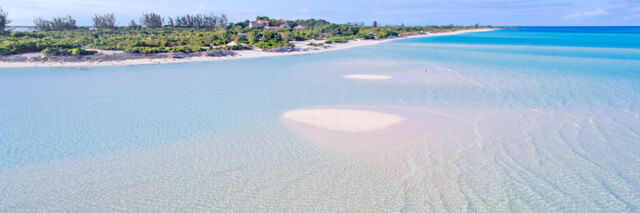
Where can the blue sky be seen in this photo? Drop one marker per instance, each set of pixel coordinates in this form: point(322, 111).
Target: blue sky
point(408, 12)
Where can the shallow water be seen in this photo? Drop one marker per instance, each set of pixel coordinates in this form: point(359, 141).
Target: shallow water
point(546, 119)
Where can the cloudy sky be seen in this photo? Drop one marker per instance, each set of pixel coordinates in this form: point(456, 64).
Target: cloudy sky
point(408, 12)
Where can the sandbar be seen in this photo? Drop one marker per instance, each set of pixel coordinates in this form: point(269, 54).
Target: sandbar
point(344, 120)
point(366, 128)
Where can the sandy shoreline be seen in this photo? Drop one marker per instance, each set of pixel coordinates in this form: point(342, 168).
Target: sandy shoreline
point(244, 54)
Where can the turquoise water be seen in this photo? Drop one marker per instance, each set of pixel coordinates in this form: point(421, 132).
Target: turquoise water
point(551, 124)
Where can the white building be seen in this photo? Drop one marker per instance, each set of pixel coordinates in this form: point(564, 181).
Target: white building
point(259, 24)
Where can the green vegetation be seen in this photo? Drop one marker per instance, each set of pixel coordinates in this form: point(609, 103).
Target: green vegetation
point(337, 40)
point(272, 39)
point(51, 51)
point(189, 33)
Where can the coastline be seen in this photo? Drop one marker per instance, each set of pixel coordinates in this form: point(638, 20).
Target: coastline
point(242, 54)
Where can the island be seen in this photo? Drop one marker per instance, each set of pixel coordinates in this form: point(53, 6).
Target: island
point(154, 38)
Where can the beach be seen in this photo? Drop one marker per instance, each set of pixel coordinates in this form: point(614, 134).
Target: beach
point(243, 54)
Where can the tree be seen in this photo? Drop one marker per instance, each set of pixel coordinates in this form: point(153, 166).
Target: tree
point(223, 21)
point(476, 25)
point(106, 21)
point(58, 23)
point(286, 36)
point(151, 20)
point(375, 24)
point(200, 21)
point(271, 36)
point(133, 24)
point(170, 22)
point(252, 37)
point(41, 24)
point(4, 20)
point(63, 23)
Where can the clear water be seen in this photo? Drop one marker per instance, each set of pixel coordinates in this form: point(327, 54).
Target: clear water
point(551, 123)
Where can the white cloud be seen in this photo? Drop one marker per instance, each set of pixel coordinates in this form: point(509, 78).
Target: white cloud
point(597, 12)
point(304, 10)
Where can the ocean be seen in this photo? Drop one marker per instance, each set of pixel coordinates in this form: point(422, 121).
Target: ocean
point(542, 119)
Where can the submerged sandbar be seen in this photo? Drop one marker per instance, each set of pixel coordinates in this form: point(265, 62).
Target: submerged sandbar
point(344, 120)
point(368, 76)
point(361, 128)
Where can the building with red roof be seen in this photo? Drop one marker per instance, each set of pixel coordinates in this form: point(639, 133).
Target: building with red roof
point(259, 24)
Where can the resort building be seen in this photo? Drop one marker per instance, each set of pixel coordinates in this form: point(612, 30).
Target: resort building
point(265, 24)
point(259, 24)
point(300, 27)
point(283, 23)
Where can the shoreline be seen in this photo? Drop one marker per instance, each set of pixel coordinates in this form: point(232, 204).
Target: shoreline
point(242, 54)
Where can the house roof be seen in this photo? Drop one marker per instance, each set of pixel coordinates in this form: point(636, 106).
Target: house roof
point(260, 21)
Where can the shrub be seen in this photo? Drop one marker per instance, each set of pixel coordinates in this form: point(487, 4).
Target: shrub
point(366, 36)
point(53, 51)
point(146, 50)
point(80, 51)
point(336, 40)
point(18, 34)
point(18, 47)
point(272, 44)
point(233, 47)
point(386, 33)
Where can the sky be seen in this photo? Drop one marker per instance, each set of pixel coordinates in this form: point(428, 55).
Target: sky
point(385, 12)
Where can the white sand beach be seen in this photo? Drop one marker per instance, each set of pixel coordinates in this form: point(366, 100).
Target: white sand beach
point(243, 54)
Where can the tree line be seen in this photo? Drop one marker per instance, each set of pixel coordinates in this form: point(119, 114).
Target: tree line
point(108, 21)
point(58, 23)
